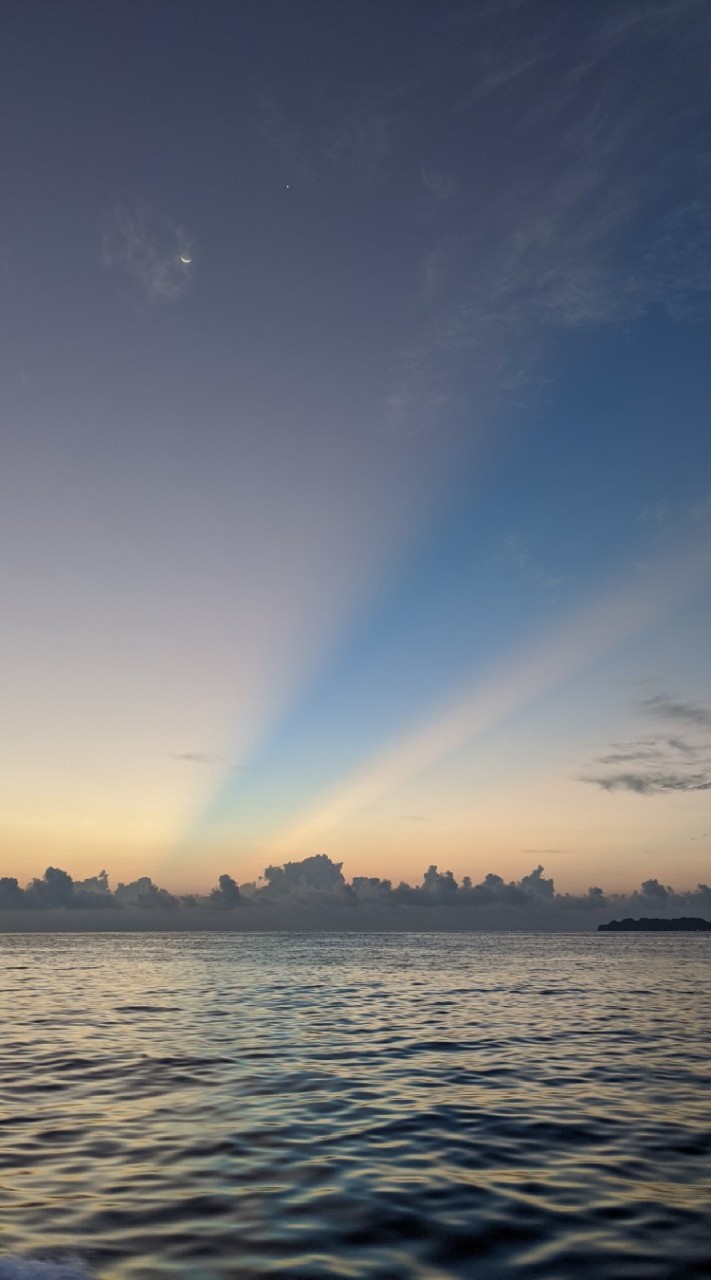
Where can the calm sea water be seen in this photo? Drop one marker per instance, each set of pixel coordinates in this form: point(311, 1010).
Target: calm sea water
point(360, 1105)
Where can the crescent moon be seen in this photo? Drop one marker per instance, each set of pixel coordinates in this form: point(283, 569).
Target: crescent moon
point(186, 261)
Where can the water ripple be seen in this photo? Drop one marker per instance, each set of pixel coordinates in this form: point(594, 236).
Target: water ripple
point(366, 1106)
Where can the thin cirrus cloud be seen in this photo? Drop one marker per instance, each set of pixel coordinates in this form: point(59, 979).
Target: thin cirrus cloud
point(595, 231)
point(152, 253)
point(357, 139)
point(514, 553)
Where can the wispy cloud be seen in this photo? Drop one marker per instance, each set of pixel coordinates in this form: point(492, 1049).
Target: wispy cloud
point(362, 139)
point(689, 713)
point(195, 757)
point(156, 256)
point(668, 518)
point(579, 224)
point(357, 138)
point(439, 184)
point(665, 763)
point(513, 551)
point(285, 138)
point(701, 511)
point(557, 852)
point(649, 784)
point(658, 748)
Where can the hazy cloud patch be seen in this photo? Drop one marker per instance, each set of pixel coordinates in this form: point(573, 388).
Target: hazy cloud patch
point(628, 755)
point(689, 713)
point(284, 137)
point(439, 184)
point(155, 255)
point(195, 757)
point(512, 551)
point(701, 511)
point(544, 852)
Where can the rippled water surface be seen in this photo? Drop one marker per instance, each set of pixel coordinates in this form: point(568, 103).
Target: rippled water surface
point(360, 1105)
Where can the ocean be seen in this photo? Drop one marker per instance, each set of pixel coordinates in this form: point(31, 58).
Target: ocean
point(365, 1105)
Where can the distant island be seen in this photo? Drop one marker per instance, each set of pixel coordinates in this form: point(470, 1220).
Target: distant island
point(683, 924)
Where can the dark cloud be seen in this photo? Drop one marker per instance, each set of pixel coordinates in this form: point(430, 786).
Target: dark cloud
point(645, 784)
point(314, 875)
point(227, 893)
point(144, 893)
point(11, 895)
point(314, 894)
point(57, 889)
point(665, 762)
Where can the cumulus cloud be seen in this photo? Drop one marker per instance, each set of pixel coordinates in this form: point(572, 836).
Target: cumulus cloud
point(227, 893)
point(56, 889)
point(156, 256)
point(317, 874)
point(313, 893)
point(143, 893)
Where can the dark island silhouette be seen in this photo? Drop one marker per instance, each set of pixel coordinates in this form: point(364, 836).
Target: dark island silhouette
point(683, 924)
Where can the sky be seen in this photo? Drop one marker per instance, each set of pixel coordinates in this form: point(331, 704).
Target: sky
point(355, 463)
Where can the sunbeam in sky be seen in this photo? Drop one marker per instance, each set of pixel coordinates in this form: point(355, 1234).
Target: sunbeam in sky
point(355, 452)
point(552, 659)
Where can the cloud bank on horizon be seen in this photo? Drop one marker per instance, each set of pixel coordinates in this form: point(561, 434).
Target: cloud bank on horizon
point(314, 893)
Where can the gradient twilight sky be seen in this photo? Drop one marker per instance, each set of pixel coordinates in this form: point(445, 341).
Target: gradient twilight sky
point(355, 488)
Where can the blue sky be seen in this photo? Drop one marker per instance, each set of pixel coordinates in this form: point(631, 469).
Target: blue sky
point(356, 466)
